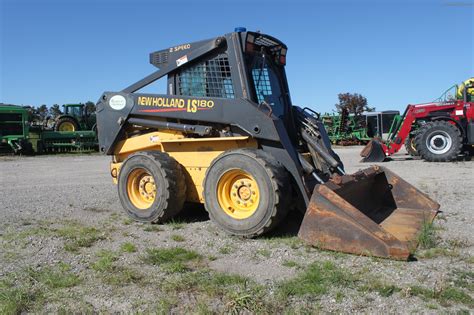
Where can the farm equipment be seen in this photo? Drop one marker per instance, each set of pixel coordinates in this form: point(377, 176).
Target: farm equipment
point(437, 131)
point(19, 136)
point(348, 129)
point(227, 135)
point(75, 118)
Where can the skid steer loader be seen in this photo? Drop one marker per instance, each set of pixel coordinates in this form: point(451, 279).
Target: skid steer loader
point(227, 135)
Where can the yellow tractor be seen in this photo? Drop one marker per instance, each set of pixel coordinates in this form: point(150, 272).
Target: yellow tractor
point(227, 135)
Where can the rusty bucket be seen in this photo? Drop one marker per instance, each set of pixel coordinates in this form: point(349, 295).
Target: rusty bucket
point(372, 212)
point(373, 151)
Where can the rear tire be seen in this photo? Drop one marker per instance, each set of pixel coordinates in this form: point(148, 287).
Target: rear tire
point(410, 145)
point(151, 187)
point(247, 192)
point(439, 141)
point(66, 124)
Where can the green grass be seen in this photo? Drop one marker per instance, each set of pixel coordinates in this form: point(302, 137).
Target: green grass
point(289, 240)
point(226, 249)
point(375, 285)
point(106, 261)
point(445, 296)
point(438, 252)
point(78, 236)
point(290, 263)
point(428, 238)
point(113, 274)
point(128, 247)
point(176, 259)
point(175, 225)
point(153, 228)
point(264, 252)
point(177, 238)
point(23, 291)
point(239, 294)
point(317, 279)
point(55, 278)
point(463, 279)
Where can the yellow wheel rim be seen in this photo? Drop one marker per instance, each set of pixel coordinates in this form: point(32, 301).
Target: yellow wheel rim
point(238, 194)
point(67, 126)
point(141, 188)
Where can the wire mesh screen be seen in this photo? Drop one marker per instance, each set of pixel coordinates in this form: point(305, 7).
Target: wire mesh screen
point(210, 78)
point(262, 83)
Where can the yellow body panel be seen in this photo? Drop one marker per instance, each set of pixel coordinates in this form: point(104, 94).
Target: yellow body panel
point(194, 154)
point(470, 91)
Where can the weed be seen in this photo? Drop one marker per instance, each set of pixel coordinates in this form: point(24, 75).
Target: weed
point(105, 261)
point(54, 278)
point(383, 289)
point(427, 238)
point(127, 221)
point(212, 258)
point(79, 236)
point(171, 259)
point(264, 252)
point(177, 238)
point(316, 280)
point(128, 247)
point(463, 279)
point(226, 249)
point(152, 228)
point(175, 225)
point(16, 299)
point(121, 276)
point(290, 263)
point(289, 240)
point(438, 252)
point(444, 296)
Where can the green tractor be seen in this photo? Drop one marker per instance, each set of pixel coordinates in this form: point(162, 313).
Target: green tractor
point(76, 117)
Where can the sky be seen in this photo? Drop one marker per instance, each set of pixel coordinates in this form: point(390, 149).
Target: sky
point(392, 52)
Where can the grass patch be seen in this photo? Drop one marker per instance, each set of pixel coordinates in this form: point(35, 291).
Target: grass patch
point(290, 263)
point(22, 292)
point(128, 247)
point(113, 274)
point(78, 236)
point(438, 252)
point(105, 261)
point(152, 228)
point(226, 249)
point(175, 259)
point(264, 252)
point(289, 240)
point(177, 238)
point(175, 225)
point(428, 238)
point(55, 278)
point(463, 279)
point(444, 296)
point(317, 280)
point(382, 288)
point(239, 294)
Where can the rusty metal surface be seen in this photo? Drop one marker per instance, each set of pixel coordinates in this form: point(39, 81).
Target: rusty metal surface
point(373, 152)
point(372, 212)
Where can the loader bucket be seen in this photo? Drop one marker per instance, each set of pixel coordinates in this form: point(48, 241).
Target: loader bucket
point(373, 151)
point(372, 212)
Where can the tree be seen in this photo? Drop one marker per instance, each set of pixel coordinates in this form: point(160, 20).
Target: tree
point(353, 104)
point(40, 113)
point(90, 107)
point(55, 111)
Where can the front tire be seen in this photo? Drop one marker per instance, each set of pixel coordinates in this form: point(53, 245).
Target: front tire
point(439, 141)
point(151, 187)
point(247, 192)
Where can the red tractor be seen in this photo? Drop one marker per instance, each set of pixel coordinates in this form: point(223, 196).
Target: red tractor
point(436, 131)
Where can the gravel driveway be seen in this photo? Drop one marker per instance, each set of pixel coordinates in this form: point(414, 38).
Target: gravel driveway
point(67, 246)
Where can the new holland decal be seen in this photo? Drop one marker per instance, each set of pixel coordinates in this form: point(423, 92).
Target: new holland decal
point(170, 104)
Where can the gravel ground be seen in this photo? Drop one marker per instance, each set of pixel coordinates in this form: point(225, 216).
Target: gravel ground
point(44, 198)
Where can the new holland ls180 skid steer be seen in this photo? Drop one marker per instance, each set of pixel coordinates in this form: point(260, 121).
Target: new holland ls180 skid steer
point(227, 135)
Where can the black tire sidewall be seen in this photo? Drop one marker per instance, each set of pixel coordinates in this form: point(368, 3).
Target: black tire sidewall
point(259, 219)
point(156, 210)
point(430, 131)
